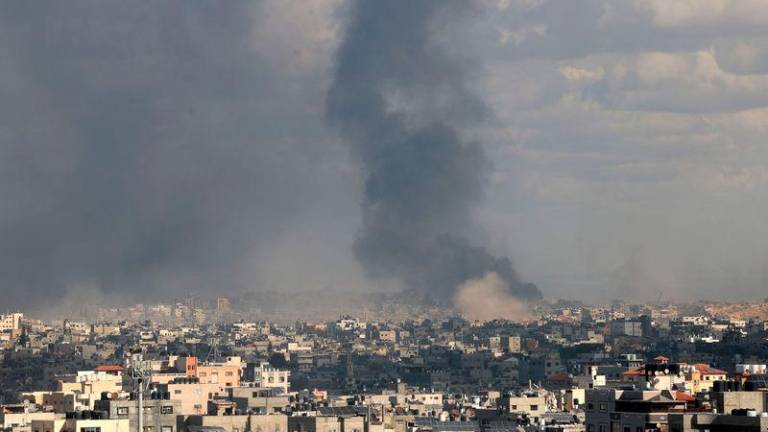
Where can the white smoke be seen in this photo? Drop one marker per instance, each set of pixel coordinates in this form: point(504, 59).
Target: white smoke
point(487, 298)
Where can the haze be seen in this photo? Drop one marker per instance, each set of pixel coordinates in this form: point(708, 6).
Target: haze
point(153, 149)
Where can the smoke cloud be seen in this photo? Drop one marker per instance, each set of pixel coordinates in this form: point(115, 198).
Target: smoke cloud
point(487, 298)
point(401, 98)
point(147, 149)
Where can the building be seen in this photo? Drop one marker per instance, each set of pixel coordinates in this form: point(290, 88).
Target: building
point(638, 327)
point(747, 421)
point(239, 423)
point(727, 396)
point(86, 421)
point(512, 344)
point(191, 393)
point(264, 375)
point(226, 373)
point(533, 404)
point(11, 323)
point(160, 414)
point(261, 399)
point(20, 416)
point(92, 382)
point(611, 410)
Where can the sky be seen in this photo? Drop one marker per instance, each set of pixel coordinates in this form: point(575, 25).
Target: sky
point(151, 149)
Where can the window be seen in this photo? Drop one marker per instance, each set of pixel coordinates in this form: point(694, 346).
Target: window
point(214, 374)
point(166, 428)
point(228, 373)
point(255, 394)
point(122, 410)
point(590, 406)
point(627, 429)
point(602, 407)
point(514, 407)
point(203, 374)
point(177, 392)
point(167, 409)
point(534, 407)
point(590, 428)
point(90, 429)
point(147, 428)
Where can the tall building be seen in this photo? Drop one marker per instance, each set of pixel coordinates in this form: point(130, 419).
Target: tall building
point(11, 323)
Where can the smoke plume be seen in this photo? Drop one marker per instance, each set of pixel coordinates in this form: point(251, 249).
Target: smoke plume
point(401, 98)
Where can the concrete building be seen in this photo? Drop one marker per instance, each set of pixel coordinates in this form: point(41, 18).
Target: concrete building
point(11, 323)
point(191, 393)
point(512, 344)
point(711, 422)
point(83, 422)
point(264, 375)
point(326, 423)
point(241, 423)
point(726, 398)
point(226, 373)
point(160, 415)
point(610, 410)
point(91, 382)
point(20, 416)
point(532, 404)
point(261, 399)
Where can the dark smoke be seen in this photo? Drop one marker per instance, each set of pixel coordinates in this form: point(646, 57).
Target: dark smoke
point(140, 152)
point(399, 97)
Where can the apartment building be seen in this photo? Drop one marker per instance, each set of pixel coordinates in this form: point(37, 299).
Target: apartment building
point(86, 421)
point(264, 375)
point(160, 412)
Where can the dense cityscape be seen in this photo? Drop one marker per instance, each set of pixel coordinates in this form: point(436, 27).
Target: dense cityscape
point(383, 216)
point(206, 367)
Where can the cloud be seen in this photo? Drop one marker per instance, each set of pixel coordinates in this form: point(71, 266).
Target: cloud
point(689, 13)
point(153, 148)
point(150, 149)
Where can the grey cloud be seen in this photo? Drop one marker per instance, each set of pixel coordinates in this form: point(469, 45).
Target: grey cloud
point(145, 149)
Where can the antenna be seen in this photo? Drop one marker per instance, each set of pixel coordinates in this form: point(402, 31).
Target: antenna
point(140, 376)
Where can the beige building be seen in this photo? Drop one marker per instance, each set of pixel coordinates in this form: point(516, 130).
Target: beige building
point(513, 344)
point(314, 424)
point(11, 323)
point(192, 394)
point(267, 376)
point(534, 405)
point(81, 425)
point(242, 423)
point(78, 392)
point(21, 416)
point(258, 398)
point(91, 382)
